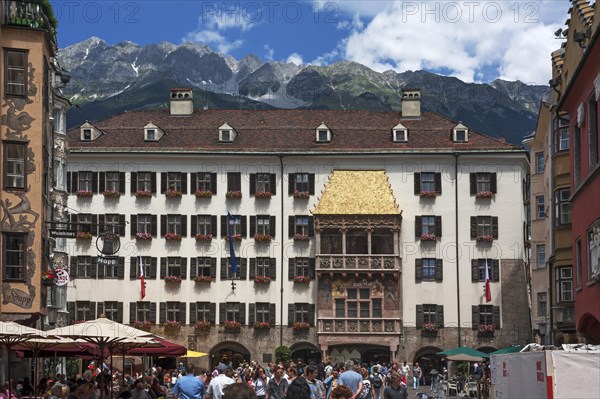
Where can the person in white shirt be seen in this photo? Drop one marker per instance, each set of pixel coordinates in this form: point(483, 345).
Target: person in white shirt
point(218, 384)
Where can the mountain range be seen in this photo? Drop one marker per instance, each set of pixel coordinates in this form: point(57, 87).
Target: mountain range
point(107, 79)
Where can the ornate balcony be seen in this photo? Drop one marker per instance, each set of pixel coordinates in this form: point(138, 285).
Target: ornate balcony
point(328, 325)
point(329, 263)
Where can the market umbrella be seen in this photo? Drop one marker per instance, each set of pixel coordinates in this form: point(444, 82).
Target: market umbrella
point(509, 349)
point(190, 353)
point(464, 354)
point(167, 349)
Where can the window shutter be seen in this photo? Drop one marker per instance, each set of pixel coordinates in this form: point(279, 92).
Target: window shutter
point(119, 312)
point(242, 313)
point(213, 268)
point(437, 178)
point(132, 268)
point(122, 225)
point(495, 227)
point(243, 226)
point(163, 225)
point(193, 182)
point(153, 182)
point(493, 183)
point(94, 226)
point(496, 316)
point(193, 225)
point(252, 183)
point(213, 183)
point(224, 268)
point(311, 268)
point(121, 268)
point(183, 225)
point(273, 183)
point(163, 182)
point(184, 183)
point(133, 182)
point(311, 183)
point(251, 314)
point(311, 226)
point(495, 270)
point(439, 270)
point(311, 314)
point(272, 227)
point(212, 310)
point(95, 182)
point(162, 312)
point(243, 268)
point(152, 312)
point(193, 313)
point(70, 182)
point(153, 267)
point(438, 226)
point(418, 270)
point(417, 183)
point(473, 227)
point(101, 182)
point(71, 311)
point(474, 270)
point(291, 181)
point(183, 268)
point(181, 316)
point(74, 182)
point(273, 268)
point(94, 267)
point(272, 311)
point(153, 226)
point(252, 226)
point(473, 183)
point(122, 182)
point(213, 225)
point(193, 268)
point(252, 268)
point(474, 317)
point(133, 225)
point(73, 267)
point(419, 316)
point(222, 313)
point(440, 316)
point(291, 226)
point(291, 313)
point(163, 267)
point(291, 268)
point(224, 225)
point(418, 226)
point(132, 312)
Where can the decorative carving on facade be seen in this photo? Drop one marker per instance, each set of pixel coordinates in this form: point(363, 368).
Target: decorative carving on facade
point(191, 342)
point(16, 119)
point(370, 222)
point(597, 86)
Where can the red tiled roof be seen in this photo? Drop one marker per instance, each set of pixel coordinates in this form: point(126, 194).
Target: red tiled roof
point(281, 130)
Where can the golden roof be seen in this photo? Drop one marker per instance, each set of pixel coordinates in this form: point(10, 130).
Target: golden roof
point(357, 192)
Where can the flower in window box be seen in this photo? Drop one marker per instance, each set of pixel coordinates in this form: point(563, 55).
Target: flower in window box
point(84, 193)
point(262, 325)
point(170, 193)
point(486, 328)
point(172, 325)
point(203, 194)
point(233, 194)
point(485, 238)
point(301, 194)
point(302, 279)
point(143, 236)
point(173, 279)
point(429, 327)
point(111, 236)
point(484, 194)
point(143, 193)
point(83, 235)
point(301, 325)
point(142, 325)
point(262, 237)
point(234, 237)
point(111, 194)
point(231, 325)
point(173, 237)
point(203, 279)
point(202, 326)
point(262, 279)
point(48, 277)
point(428, 237)
point(204, 237)
point(301, 237)
point(428, 194)
point(263, 194)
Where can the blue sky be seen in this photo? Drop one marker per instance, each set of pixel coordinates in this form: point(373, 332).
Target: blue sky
point(472, 40)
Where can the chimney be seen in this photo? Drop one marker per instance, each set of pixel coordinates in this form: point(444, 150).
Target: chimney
point(411, 104)
point(182, 101)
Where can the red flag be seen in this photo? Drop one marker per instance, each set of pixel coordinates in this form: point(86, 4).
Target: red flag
point(488, 291)
point(142, 278)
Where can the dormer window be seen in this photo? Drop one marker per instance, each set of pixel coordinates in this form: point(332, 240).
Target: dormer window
point(226, 133)
point(323, 134)
point(460, 134)
point(400, 134)
point(88, 132)
point(152, 132)
point(87, 135)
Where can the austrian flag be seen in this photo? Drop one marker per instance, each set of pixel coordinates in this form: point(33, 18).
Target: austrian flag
point(488, 291)
point(142, 278)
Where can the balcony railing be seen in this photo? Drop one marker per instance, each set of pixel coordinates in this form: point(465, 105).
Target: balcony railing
point(358, 326)
point(358, 262)
point(23, 13)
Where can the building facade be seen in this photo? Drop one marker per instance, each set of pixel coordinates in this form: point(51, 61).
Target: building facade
point(344, 225)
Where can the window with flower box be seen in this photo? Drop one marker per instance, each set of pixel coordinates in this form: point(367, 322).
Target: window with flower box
point(301, 268)
point(483, 184)
point(14, 255)
point(111, 183)
point(204, 226)
point(203, 267)
point(203, 311)
point(173, 225)
point(484, 228)
point(262, 227)
point(83, 183)
point(112, 310)
point(263, 185)
point(143, 226)
point(301, 227)
point(111, 223)
point(203, 183)
point(485, 315)
point(174, 182)
point(149, 264)
point(173, 266)
point(478, 270)
point(242, 270)
point(428, 228)
point(142, 311)
point(234, 182)
point(232, 311)
point(81, 311)
point(84, 267)
point(14, 164)
point(301, 185)
point(562, 207)
point(263, 267)
point(112, 271)
point(429, 317)
point(238, 226)
point(428, 184)
point(429, 269)
point(261, 312)
point(143, 183)
point(85, 223)
point(172, 311)
point(301, 313)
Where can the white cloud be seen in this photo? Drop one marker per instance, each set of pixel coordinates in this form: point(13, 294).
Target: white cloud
point(268, 52)
point(295, 58)
point(214, 39)
point(211, 28)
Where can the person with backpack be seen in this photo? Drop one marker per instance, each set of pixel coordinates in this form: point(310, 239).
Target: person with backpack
point(377, 383)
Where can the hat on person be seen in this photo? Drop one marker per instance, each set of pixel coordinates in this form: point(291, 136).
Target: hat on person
point(221, 367)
